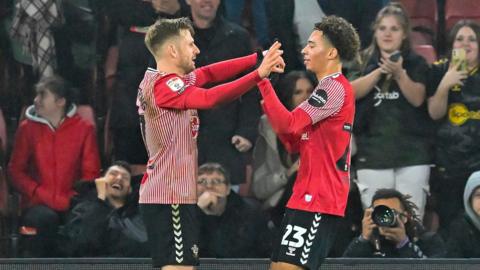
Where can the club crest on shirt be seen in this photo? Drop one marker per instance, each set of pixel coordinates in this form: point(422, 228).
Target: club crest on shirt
point(318, 98)
point(176, 85)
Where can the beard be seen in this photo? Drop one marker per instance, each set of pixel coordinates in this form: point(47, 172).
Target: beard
point(187, 65)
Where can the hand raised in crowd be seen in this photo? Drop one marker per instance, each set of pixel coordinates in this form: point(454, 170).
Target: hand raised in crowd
point(453, 76)
point(242, 144)
point(367, 224)
point(208, 200)
point(272, 62)
point(101, 185)
point(394, 68)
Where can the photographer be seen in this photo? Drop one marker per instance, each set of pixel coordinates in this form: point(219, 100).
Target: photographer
point(391, 228)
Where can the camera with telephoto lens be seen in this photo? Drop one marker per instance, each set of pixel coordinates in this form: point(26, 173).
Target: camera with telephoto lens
point(384, 216)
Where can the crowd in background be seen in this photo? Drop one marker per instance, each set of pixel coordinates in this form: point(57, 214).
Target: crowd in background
point(76, 156)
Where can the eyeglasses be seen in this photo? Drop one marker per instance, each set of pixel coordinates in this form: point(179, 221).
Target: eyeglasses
point(211, 182)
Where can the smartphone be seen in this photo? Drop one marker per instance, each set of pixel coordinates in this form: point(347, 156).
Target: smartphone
point(395, 56)
point(459, 55)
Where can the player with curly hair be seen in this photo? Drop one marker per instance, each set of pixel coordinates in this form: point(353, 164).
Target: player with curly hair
point(319, 129)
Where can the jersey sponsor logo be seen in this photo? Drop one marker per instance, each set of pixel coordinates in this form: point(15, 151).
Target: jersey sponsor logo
point(318, 98)
point(380, 96)
point(176, 85)
point(458, 114)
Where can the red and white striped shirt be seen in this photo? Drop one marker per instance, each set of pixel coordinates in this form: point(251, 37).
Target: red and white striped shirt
point(168, 107)
point(320, 130)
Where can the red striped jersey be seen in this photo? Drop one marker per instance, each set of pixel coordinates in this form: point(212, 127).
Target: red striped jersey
point(170, 138)
point(320, 130)
point(167, 105)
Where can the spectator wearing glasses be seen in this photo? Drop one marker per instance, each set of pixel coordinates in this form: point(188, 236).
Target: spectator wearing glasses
point(231, 227)
point(404, 238)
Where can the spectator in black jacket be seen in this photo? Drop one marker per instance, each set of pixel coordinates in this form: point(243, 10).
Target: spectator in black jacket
point(106, 221)
point(231, 226)
point(464, 233)
point(405, 239)
point(229, 130)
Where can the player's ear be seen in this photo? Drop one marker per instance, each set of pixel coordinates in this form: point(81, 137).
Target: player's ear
point(332, 53)
point(172, 50)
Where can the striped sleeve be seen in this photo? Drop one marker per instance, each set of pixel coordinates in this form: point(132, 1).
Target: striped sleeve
point(325, 101)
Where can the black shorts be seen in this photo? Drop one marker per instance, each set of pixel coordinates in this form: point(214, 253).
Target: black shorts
point(173, 232)
point(305, 238)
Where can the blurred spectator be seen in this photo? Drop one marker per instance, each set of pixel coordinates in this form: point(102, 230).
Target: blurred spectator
point(405, 238)
point(392, 124)
point(454, 102)
point(281, 16)
point(228, 130)
point(234, 10)
point(273, 166)
point(464, 238)
point(32, 25)
point(361, 14)
point(231, 227)
point(132, 18)
point(53, 149)
point(106, 222)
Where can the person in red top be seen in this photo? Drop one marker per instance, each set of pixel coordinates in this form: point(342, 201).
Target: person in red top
point(319, 129)
point(54, 147)
point(168, 99)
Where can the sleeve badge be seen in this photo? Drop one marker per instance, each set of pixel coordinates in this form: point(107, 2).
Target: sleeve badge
point(176, 85)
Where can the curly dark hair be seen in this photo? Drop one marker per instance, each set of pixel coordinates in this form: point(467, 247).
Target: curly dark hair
point(341, 35)
point(413, 224)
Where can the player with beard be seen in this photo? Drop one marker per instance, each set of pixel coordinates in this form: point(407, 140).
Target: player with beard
point(168, 99)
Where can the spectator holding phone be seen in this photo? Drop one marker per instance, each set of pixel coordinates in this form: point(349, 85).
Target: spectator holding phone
point(454, 102)
point(391, 122)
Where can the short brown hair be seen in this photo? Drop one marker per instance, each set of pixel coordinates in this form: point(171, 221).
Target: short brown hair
point(211, 167)
point(164, 29)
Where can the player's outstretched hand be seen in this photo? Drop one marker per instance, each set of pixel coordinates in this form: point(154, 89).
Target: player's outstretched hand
point(272, 62)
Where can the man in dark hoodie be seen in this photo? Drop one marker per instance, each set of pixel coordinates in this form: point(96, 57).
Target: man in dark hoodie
point(230, 226)
point(106, 221)
point(464, 236)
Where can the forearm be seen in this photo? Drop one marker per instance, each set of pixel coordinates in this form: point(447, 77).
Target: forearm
point(21, 180)
point(209, 98)
point(414, 92)
point(438, 103)
point(282, 121)
point(363, 85)
point(221, 71)
point(359, 248)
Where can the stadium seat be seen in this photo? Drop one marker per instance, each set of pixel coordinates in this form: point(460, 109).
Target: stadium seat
point(456, 10)
point(427, 52)
point(423, 19)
